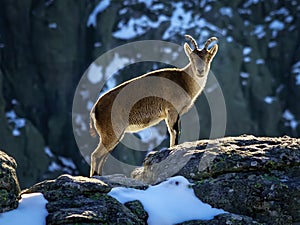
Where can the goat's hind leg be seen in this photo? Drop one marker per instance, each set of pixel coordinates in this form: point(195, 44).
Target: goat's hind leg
point(98, 159)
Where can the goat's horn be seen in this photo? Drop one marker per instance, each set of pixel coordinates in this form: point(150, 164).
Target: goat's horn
point(192, 40)
point(210, 40)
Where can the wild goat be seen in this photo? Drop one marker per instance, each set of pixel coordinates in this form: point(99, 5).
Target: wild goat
point(163, 94)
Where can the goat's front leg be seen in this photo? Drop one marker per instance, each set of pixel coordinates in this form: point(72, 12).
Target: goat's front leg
point(173, 124)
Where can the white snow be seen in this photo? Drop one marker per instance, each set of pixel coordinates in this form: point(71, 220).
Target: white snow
point(31, 211)
point(137, 26)
point(244, 75)
point(290, 117)
point(67, 162)
point(260, 61)
point(247, 50)
point(259, 31)
point(80, 122)
point(52, 26)
point(102, 5)
point(48, 151)
point(148, 3)
point(97, 44)
point(207, 8)
point(269, 99)
point(170, 202)
point(18, 122)
point(250, 2)
point(54, 167)
point(272, 44)
point(94, 74)
point(229, 39)
point(247, 59)
point(276, 25)
point(296, 72)
point(226, 11)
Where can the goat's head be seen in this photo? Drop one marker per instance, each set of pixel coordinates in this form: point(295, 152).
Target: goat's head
point(200, 58)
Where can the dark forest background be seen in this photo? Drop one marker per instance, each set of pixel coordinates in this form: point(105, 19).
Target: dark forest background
point(47, 45)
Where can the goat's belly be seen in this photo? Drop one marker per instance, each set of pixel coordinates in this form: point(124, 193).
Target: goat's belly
point(140, 125)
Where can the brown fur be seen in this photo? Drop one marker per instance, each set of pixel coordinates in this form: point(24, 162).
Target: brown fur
point(164, 94)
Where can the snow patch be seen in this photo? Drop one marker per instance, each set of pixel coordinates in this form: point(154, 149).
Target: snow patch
point(148, 3)
point(31, 210)
point(48, 151)
point(52, 26)
point(94, 74)
point(54, 167)
point(269, 99)
point(259, 31)
point(18, 123)
point(102, 5)
point(276, 25)
point(260, 61)
point(226, 11)
point(290, 119)
point(67, 162)
point(170, 202)
point(272, 44)
point(137, 26)
point(296, 72)
point(244, 75)
point(247, 50)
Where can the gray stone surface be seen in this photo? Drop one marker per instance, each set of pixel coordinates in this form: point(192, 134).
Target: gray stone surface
point(9, 185)
point(253, 176)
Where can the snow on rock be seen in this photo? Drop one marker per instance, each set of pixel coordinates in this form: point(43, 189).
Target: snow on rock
point(259, 31)
point(31, 210)
point(67, 162)
point(290, 119)
point(296, 72)
point(269, 99)
point(170, 202)
point(94, 74)
point(137, 26)
point(102, 5)
point(48, 151)
point(247, 50)
point(52, 26)
point(226, 11)
point(18, 123)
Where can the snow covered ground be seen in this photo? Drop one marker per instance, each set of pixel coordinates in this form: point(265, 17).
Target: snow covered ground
point(170, 202)
point(31, 211)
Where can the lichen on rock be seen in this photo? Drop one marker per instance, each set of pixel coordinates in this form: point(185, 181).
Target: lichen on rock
point(9, 185)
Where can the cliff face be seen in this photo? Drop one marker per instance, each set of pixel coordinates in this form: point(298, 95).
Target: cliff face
point(45, 47)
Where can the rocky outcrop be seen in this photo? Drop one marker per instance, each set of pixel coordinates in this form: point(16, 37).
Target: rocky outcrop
point(257, 177)
point(9, 185)
point(81, 200)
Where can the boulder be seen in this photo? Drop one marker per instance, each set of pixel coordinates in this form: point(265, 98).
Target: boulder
point(9, 185)
point(81, 200)
point(254, 176)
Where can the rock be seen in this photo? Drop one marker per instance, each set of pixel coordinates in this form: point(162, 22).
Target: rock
point(9, 185)
point(253, 176)
point(81, 200)
point(228, 219)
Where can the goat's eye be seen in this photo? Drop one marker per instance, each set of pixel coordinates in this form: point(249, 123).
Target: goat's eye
point(177, 183)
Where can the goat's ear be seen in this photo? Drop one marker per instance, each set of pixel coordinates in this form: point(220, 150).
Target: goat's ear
point(187, 49)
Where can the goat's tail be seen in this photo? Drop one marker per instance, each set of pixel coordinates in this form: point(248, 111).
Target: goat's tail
point(92, 125)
